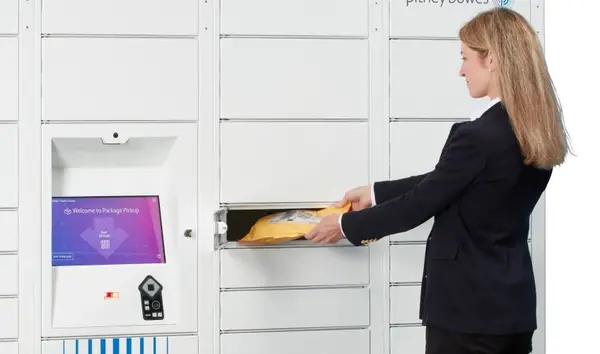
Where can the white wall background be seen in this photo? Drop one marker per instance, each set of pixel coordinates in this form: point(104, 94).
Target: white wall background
point(573, 211)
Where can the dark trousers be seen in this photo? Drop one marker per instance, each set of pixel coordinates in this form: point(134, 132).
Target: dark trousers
point(440, 341)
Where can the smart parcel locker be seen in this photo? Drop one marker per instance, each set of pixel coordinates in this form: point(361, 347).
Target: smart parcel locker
point(119, 229)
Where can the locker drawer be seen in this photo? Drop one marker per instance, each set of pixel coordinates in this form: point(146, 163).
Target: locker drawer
point(9, 347)
point(292, 162)
point(414, 86)
point(406, 17)
point(415, 147)
point(9, 19)
point(9, 74)
point(304, 308)
point(407, 340)
point(295, 17)
point(302, 342)
point(9, 224)
point(9, 277)
point(294, 78)
point(137, 17)
point(406, 263)
point(120, 79)
point(245, 268)
point(9, 160)
point(404, 304)
point(9, 312)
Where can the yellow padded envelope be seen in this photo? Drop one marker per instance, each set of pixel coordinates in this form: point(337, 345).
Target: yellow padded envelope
point(288, 225)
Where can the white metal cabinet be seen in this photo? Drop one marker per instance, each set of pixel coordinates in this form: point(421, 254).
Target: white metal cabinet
point(294, 267)
point(9, 224)
point(298, 308)
point(137, 17)
point(9, 277)
point(9, 17)
point(9, 77)
point(9, 174)
point(406, 263)
point(294, 78)
point(295, 17)
point(112, 79)
point(297, 342)
point(9, 347)
point(9, 312)
point(407, 340)
point(292, 162)
point(410, 153)
point(404, 304)
point(423, 87)
point(306, 72)
point(9, 160)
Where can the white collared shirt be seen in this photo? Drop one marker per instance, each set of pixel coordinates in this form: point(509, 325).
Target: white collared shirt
point(478, 113)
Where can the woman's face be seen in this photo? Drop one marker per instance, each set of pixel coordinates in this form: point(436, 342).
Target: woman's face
point(477, 71)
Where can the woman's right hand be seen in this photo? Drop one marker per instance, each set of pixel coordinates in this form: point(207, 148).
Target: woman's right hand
point(359, 197)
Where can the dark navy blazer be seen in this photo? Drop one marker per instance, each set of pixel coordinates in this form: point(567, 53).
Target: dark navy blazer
point(478, 275)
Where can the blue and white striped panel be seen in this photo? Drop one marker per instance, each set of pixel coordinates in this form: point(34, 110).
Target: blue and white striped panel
point(145, 345)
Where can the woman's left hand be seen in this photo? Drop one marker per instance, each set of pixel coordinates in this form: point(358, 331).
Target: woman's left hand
point(328, 231)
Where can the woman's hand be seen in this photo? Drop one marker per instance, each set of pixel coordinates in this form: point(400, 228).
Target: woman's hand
point(359, 197)
point(328, 231)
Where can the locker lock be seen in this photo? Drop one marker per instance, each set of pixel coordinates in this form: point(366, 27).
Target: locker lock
point(221, 227)
point(187, 233)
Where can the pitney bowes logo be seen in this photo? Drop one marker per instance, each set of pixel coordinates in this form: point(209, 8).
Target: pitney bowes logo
point(503, 3)
point(442, 3)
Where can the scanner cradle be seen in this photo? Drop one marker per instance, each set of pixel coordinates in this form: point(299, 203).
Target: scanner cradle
point(151, 299)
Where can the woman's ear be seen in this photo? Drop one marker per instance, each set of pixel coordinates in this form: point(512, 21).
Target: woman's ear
point(490, 62)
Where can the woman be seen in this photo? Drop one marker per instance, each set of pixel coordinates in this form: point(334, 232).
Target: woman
point(478, 290)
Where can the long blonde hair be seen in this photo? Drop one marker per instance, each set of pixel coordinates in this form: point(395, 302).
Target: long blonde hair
point(526, 88)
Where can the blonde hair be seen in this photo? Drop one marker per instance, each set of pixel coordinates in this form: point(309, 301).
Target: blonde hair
point(525, 86)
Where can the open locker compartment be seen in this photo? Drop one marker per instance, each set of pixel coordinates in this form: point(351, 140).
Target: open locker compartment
point(233, 222)
point(119, 216)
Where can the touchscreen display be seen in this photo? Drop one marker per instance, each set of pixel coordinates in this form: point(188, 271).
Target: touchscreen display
point(106, 231)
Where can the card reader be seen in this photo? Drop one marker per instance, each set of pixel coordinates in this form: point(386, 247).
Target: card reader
point(151, 296)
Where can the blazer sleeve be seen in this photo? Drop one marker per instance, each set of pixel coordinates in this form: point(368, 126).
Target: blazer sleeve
point(386, 190)
point(464, 158)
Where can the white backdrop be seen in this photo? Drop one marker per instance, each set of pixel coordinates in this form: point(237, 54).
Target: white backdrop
point(573, 235)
